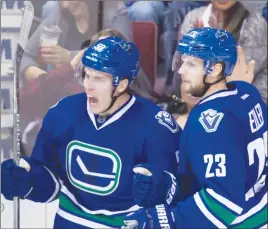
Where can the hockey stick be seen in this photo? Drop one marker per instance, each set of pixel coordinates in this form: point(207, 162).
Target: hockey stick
point(26, 24)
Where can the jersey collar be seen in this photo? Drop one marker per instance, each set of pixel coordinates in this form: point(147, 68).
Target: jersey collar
point(220, 94)
point(122, 110)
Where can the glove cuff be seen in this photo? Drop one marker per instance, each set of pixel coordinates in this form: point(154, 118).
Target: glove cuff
point(172, 188)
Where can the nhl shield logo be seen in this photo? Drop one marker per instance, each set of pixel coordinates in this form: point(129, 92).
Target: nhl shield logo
point(210, 120)
point(165, 119)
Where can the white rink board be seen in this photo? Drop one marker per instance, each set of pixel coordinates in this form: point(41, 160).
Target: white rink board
point(32, 215)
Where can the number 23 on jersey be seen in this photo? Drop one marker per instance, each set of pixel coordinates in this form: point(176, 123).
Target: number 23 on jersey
point(257, 147)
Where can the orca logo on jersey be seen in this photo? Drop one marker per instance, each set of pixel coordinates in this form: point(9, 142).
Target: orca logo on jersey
point(165, 119)
point(92, 168)
point(210, 120)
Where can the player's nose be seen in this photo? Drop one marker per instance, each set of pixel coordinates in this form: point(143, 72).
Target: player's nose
point(88, 85)
point(182, 70)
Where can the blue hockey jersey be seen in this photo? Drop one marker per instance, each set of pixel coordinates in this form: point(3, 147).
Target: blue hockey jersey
point(93, 157)
point(225, 145)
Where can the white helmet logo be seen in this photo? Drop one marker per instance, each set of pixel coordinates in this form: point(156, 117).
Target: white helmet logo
point(99, 47)
point(193, 34)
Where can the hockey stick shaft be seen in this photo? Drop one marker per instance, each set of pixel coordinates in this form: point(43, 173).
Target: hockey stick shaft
point(26, 24)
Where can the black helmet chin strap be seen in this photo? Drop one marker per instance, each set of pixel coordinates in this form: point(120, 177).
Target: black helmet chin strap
point(207, 85)
point(114, 98)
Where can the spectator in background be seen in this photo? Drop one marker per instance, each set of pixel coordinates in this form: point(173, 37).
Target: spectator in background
point(73, 20)
point(254, 6)
point(146, 11)
point(38, 9)
point(114, 11)
point(49, 7)
point(168, 15)
point(117, 13)
point(173, 19)
point(77, 21)
point(249, 29)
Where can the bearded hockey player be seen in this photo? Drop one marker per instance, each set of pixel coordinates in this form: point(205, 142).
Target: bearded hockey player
point(89, 143)
point(224, 143)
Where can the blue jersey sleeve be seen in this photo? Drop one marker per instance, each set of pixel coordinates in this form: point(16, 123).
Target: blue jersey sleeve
point(44, 155)
point(217, 160)
point(162, 145)
point(183, 160)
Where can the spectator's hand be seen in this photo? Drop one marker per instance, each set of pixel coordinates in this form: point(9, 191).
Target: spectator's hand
point(242, 70)
point(54, 54)
point(77, 59)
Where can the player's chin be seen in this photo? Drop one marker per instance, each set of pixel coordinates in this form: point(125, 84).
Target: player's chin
point(94, 108)
point(95, 111)
point(195, 92)
point(191, 98)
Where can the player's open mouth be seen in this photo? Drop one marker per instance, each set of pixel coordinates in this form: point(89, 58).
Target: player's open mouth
point(92, 100)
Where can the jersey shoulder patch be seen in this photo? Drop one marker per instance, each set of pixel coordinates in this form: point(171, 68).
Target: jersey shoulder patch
point(166, 119)
point(210, 120)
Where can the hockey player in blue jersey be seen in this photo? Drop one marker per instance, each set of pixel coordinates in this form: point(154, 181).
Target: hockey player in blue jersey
point(89, 143)
point(223, 146)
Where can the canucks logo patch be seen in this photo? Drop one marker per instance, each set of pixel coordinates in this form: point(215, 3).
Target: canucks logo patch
point(92, 168)
point(165, 119)
point(210, 120)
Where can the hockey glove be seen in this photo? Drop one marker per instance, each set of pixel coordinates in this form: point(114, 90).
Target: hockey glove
point(28, 180)
point(15, 180)
point(159, 216)
point(147, 193)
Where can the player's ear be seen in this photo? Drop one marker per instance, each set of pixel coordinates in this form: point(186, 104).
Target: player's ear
point(123, 84)
point(217, 69)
